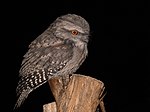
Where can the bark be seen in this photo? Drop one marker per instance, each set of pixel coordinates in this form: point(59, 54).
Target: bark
point(83, 94)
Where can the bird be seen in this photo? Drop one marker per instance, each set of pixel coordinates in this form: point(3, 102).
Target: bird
point(58, 51)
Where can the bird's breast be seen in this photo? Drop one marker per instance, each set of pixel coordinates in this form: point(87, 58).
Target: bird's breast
point(79, 55)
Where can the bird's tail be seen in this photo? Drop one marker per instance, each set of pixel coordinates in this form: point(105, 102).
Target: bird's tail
point(27, 84)
point(24, 94)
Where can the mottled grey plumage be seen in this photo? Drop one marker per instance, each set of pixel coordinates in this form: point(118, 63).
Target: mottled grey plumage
point(60, 50)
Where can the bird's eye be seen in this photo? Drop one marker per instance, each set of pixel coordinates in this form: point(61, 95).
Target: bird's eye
point(74, 32)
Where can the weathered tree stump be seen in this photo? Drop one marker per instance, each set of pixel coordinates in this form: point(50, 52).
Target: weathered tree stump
point(83, 94)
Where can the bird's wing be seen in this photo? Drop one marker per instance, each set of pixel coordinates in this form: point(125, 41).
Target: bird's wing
point(40, 67)
point(44, 40)
point(44, 56)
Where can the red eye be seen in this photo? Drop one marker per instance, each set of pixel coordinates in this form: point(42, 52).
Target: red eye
point(74, 32)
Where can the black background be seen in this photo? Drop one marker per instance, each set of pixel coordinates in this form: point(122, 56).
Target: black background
point(119, 52)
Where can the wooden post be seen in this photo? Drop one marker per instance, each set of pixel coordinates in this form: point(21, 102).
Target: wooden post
point(83, 94)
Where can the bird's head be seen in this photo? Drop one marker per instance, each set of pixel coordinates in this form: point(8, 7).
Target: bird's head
point(73, 28)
